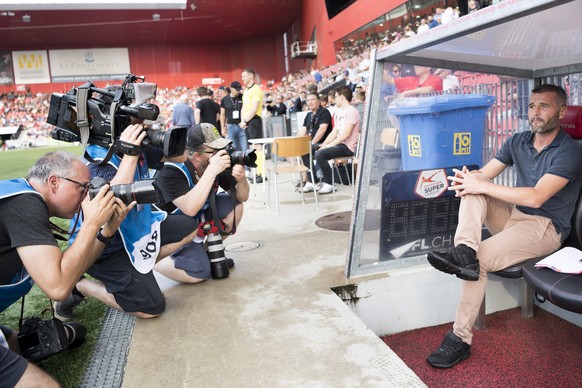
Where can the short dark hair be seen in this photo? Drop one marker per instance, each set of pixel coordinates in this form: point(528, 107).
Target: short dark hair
point(313, 94)
point(203, 91)
point(560, 93)
point(346, 92)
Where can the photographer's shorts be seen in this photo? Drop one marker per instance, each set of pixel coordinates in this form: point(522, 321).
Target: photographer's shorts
point(12, 366)
point(193, 258)
point(134, 291)
point(255, 128)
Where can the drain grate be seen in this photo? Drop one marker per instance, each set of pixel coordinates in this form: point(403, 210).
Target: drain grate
point(107, 365)
point(341, 221)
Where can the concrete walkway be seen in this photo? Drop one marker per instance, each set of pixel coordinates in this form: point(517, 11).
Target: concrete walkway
point(274, 322)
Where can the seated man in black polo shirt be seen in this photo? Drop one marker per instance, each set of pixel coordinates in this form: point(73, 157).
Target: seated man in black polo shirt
point(318, 125)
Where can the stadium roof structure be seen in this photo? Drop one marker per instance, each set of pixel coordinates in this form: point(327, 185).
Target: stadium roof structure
point(522, 38)
point(27, 27)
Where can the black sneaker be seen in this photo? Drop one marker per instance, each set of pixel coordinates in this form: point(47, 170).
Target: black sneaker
point(76, 333)
point(229, 262)
point(460, 261)
point(452, 351)
point(64, 310)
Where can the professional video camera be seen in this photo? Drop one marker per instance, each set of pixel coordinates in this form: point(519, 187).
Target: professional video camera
point(40, 339)
point(99, 119)
point(141, 191)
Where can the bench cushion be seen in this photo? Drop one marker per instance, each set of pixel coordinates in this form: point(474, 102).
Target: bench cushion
point(563, 290)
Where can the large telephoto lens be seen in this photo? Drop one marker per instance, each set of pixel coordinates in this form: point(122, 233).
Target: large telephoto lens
point(246, 158)
point(141, 192)
point(171, 141)
point(218, 264)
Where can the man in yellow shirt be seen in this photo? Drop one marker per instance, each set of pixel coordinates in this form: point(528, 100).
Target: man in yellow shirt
point(251, 110)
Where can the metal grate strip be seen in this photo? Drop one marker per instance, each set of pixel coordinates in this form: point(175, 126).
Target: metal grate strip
point(107, 365)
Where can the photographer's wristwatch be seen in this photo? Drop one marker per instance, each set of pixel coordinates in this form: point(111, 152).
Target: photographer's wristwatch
point(103, 239)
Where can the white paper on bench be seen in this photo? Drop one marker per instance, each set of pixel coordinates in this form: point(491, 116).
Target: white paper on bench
point(566, 260)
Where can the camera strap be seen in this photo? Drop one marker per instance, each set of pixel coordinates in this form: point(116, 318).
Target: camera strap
point(82, 117)
point(21, 319)
point(82, 122)
point(214, 211)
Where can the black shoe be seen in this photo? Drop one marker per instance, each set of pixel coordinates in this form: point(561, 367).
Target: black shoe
point(460, 261)
point(452, 351)
point(75, 333)
point(64, 310)
point(229, 262)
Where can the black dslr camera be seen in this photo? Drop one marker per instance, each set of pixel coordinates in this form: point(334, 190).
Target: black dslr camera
point(98, 116)
point(38, 339)
point(246, 158)
point(141, 191)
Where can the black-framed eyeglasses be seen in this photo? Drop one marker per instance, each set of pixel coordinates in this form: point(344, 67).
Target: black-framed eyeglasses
point(84, 186)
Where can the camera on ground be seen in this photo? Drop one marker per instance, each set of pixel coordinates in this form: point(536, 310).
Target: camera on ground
point(38, 339)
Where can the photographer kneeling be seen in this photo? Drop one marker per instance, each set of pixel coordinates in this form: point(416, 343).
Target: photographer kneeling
point(124, 269)
point(190, 188)
point(56, 186)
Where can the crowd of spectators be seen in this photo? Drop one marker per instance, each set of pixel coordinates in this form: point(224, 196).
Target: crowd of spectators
point(352, 68)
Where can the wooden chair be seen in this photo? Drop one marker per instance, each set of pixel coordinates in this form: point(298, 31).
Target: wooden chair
point(290, 147)
point(389, 137)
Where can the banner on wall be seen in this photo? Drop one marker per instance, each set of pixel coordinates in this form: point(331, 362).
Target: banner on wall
point(89, 64)
point(31, 67)
point(6, 73)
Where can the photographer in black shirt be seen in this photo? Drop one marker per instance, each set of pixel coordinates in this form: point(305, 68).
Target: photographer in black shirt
point(56, 186)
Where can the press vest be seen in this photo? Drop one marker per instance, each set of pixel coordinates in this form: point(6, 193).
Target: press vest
point(140, 230)
point(182, 167)
point(22, 282)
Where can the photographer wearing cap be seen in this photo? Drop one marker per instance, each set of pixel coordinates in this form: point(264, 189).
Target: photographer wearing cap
point(56, 186)
point(124, 269)
point(190, 188)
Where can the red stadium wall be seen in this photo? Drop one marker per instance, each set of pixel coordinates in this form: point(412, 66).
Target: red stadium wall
point(187, 65)
point(328, 31)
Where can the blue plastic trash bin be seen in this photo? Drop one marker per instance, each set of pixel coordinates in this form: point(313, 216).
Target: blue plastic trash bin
point(441, 131)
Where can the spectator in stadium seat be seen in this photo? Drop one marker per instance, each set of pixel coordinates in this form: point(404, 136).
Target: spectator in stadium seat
point(423, 27)
point(388, 88)
point(424, 82)
point(277, 107)
point(432, 22)
point(473, 5)
point(342, 140)
point(317, 124)
point(531, 219)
